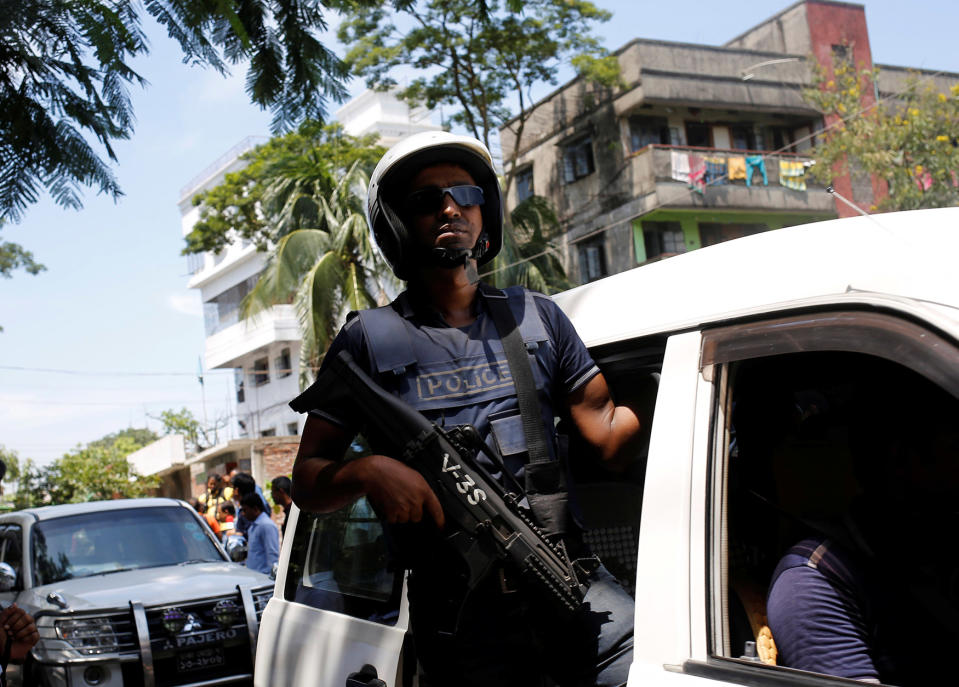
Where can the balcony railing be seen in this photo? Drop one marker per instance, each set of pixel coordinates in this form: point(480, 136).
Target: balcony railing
point(660, 161)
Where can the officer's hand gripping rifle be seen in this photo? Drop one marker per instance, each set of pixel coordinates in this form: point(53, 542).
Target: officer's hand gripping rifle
point(487, 523)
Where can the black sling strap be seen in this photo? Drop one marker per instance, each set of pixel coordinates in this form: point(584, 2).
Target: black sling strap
point(522, 373)
point(545, 478)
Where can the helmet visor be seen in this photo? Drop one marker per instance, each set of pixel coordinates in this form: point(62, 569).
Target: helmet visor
point(429, 200)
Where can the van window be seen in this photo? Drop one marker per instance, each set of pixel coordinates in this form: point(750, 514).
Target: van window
point(608, 507)
point(340, 562)
point(835, 449)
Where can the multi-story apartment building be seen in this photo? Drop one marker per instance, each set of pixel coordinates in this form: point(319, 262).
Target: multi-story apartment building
point(701, 144)
point(264, 351)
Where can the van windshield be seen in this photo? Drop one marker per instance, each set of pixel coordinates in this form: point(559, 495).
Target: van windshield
point(116, 540)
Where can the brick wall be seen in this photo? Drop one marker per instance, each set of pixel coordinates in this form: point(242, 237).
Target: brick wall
point(276, 458)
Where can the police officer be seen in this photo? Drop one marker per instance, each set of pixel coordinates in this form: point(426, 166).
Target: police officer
point(436, 212)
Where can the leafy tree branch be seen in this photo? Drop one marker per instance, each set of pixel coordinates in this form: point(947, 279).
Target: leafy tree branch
point(911, 142)
point(100, 470)
point(65, 76)
point(476, 61)
point(277, 191)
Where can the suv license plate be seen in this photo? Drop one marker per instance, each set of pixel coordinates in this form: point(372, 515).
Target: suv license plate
point(199, 659)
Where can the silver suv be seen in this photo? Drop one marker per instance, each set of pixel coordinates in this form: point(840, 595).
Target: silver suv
point(129, 592)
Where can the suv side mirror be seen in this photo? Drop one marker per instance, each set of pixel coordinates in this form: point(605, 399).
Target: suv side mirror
point(8, 577)
point(235, 546)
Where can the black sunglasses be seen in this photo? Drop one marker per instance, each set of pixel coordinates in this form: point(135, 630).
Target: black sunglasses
point(429, 200)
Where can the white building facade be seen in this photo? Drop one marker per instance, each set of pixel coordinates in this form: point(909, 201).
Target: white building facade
point(264, 351)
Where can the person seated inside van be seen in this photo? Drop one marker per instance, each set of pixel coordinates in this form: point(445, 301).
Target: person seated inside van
point(875, 596)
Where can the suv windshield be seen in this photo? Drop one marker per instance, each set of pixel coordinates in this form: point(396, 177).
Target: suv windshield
point(115, 540)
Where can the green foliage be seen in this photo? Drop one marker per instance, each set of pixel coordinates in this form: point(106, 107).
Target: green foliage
point(141, 437)
point(476, 61)
point(302, 196)
point(99, 470)
point(65, 74)
point(11, 459)
point(197, 435)
point(529, 256)
point(325, 271)
point(911, 142)
point(13, 256)
point(276, 192)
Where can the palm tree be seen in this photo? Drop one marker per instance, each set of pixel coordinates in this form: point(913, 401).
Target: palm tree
point(529, 256)
point(327, 270)
point(330, 268)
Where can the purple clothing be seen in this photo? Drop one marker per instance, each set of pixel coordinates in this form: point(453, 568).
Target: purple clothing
point(817, 610)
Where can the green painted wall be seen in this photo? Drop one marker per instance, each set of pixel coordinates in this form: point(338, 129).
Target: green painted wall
point(689, 221)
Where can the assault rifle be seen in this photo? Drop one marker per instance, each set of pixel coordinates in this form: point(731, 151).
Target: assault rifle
point(488, 524)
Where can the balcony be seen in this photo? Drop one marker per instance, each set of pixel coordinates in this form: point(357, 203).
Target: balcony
point(226, 347)
point(652, 172)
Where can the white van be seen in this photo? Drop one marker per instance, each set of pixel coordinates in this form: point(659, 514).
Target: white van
point(842, 327)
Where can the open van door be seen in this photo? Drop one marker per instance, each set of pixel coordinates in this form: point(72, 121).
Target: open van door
point(336, 607)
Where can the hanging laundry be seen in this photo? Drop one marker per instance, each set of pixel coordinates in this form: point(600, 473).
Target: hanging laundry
point(697, 173)
point(679, 162)
point(737, 167)
point(715, 171)
point(755, 163)
point(792, 174)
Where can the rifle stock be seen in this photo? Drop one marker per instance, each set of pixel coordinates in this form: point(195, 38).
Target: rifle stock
point(487, 523)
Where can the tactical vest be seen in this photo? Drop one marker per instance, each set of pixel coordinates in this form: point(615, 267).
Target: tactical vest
point(454, 378)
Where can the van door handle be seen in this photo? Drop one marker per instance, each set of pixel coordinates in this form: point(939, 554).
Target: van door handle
point(365, 677)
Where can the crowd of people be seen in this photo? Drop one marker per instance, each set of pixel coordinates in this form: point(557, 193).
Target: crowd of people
point(234, 505)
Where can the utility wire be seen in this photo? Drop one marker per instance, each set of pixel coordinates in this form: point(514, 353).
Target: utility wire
point(135, 402)
point(104, 373)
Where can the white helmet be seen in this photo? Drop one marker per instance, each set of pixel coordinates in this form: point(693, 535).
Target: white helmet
point(400, 164)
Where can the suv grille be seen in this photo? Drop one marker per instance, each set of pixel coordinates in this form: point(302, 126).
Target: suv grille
point(204, 649)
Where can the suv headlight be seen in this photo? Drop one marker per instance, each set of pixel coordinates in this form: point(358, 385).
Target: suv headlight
point(90, 636)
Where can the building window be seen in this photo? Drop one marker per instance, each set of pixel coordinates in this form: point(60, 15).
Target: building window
point(592, 260)
point(284, 364)
point(238, 380)
point(644, 131)
point(261, 372)
point(524, 184)
point(268, 433)
point(578, 159)
point(698, 135)
point(224, 309)
point(663, 239)
point(292, 429)
point(742, 137)
point(842, 53)
point(194, 263)
point(711, 233)
point(782, 139)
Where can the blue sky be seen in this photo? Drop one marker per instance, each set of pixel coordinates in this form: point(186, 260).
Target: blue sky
point(113, 299)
